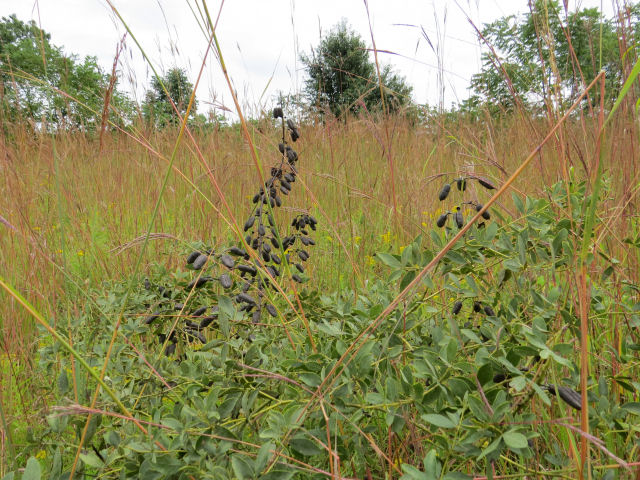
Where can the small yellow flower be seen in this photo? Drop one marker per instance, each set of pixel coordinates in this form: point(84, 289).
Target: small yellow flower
point(80, 253)
point(41, 454)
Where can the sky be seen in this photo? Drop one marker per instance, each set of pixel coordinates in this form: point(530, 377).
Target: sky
point(261, 40)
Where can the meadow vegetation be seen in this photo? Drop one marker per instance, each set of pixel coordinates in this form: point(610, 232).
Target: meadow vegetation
point(502, 347)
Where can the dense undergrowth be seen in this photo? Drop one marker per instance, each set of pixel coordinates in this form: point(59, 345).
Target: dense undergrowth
point(458, 381)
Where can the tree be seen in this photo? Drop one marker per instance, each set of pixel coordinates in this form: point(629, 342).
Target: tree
point(546, 51)
point(173, 86)
point(340, 72)
point(38, 81)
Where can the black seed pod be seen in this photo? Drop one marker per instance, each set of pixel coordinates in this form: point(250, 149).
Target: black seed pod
point(274, 242)
point(206, 321)
point(190, 259)
point(295, 135)
point(284, 190)
point(249, 223)
point(296, 278)
point(499, 378)
point(300, 268)
point(245, 298)
point(485, 183)
point(239, 252)
point(278, 201)
point(571, 397)
point(442, 219)
point(304, 256)
point(199, 311)
point(477, 307)
point(272, 310)
point(247, 269)
point(227, 261)
point(459, 218)
point(289, 177)
point(462, 184)
point(200, 261)
point(456, 307)
point(265, 256)
point(486, 215)
point(178, 306)
point(292, 156)
point(261, 230)
point(225, 281)
point(277, 112)
point(152, 317)
point(285, 184)
point(256, 197)
point(444, 193)
point(281, 147)
point(489, 311)
point(291, 124)
point(198, 282)
point(275, 259)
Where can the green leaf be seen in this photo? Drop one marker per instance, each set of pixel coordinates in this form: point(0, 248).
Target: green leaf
point(389, 260)
point(263, 456)
point(632, 407)
point(310, 379)
point(32, 471)
point(278, 475)
point(304, 446)
point(8, 476)
point(91, 459)
point(241, 467)
point(438, 420)
point(63, 383)
point(514, 439)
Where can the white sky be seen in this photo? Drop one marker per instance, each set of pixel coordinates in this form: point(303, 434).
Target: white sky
point(261, 39)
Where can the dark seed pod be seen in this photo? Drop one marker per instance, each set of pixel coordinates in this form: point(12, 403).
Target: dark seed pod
point(206, 321)
point(192, 257)
point(245, 298)
point(300, 268)
point(459, 218)
point(238, 252)
point(485, 183)
point(152, 317)
point(261, 230)
point(255, 318)
point(461, 184)
point(274, 242)
point(292, 156)
point(489, 311)
point(191, 325)
point(296, 278)
point(199, 311)
point(456, 307)
point(499, 378)
point(304, 256)
point(248, 239)
point(249, 223)
point(227, 261)
point(444, 193)
point(200, 261)
point(571, 397)
point(265, 256)
point(225, 281)
point(289, 177)
point(178, 306)
point(246, 286)
point(291, 124)
point(284, 190)
point(147, 283)
point(442, 219)
point(278, 201)
point(247, 269)
point(285, 184)
point(281, 147)
point(306, 241)
point(477, 307)
point(273, 271)
point(170, 350)
point(272, 310)
point(275, 259)
point(486, 215)
point(198, 282)
point(295, 135)
point(256, 198)
point(277, 112)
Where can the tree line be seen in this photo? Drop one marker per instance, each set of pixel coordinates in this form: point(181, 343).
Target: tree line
point(548, 54)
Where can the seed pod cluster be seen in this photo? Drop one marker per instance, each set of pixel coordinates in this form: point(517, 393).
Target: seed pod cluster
point(245, 273)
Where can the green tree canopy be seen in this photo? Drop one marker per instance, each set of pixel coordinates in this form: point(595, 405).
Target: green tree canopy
point(547, 50)
point(172, 86)
point(38, 81)
point(340, 71)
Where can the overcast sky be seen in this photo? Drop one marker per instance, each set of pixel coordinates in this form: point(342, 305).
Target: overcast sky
point(261, 40)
